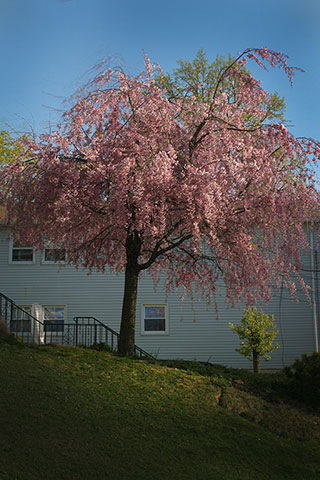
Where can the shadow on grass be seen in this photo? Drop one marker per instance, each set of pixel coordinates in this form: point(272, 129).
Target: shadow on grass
point(77, 413)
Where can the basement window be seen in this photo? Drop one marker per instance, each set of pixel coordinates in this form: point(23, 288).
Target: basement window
point(53, 318)
point(20, 322)
point(154, 319)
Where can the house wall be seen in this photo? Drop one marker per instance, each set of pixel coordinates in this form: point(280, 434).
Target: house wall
point(195, 331)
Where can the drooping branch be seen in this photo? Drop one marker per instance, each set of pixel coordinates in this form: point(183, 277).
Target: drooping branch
point(133, 181)
point(162, 251)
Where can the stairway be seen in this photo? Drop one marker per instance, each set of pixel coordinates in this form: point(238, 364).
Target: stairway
point(83, 331)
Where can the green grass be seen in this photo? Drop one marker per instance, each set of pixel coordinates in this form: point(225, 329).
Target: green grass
point(71, 413)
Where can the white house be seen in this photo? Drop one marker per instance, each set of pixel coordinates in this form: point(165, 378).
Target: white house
point(166, 326)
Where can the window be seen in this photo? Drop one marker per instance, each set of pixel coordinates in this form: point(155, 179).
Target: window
point(53, 318)
point(20, 254)
point(54, 255)
point(154, 320)
point(20, 322)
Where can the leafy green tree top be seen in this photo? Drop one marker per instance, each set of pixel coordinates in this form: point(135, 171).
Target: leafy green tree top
point(257, 332)
point(10, 148)
point(199, 79)
point(133, 181)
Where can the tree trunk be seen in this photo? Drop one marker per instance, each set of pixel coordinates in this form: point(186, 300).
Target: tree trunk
point(128, 317)
point(256, 362)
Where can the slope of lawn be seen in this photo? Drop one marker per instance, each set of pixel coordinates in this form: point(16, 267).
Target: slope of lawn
point(72, 413)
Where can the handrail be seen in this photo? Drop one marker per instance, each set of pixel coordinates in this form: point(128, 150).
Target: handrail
point(19, 308)
point(84, 331)
point(20, 322)
point(99, 322)
point(137, 350)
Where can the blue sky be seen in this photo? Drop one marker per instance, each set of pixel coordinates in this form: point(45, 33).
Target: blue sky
point(48, 47)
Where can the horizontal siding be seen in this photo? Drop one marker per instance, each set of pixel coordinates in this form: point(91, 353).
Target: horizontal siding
point(195, 331)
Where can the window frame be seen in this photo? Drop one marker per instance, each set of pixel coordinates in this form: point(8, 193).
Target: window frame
point(49, 331)
point(12, 247)
point(22, 309)
point(52, 262)
point(143, 318)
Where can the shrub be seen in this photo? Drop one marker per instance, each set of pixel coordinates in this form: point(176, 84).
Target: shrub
point(257, 332)
point(304, 378)
point(17, 338)
point(102, 347)
point(4, 331)
point(5, 335)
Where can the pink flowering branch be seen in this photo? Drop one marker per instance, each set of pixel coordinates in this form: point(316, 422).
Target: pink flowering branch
point(274, 59)
point(134, 182)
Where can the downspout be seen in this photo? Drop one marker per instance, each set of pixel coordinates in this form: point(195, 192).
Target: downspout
point(317, 298)
point(314, 286)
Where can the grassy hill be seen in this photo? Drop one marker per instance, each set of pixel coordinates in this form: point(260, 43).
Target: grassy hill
point(72, 413)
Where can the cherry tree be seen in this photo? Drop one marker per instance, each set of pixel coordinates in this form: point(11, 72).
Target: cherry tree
point(136, 182)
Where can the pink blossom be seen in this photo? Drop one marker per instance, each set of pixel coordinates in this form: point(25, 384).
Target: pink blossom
point(204, 194)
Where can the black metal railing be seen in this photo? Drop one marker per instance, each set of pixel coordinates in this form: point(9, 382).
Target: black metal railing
point(90, 329)
point(103, 334)
point(19, 322)
point(84, 331)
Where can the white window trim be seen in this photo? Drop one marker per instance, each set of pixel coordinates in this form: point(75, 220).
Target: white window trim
point(43, 319)
point(27, 262)
point(54, 306)
point(155, 332)
point(36, 311)
point(26, 309)
point(50, 262)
